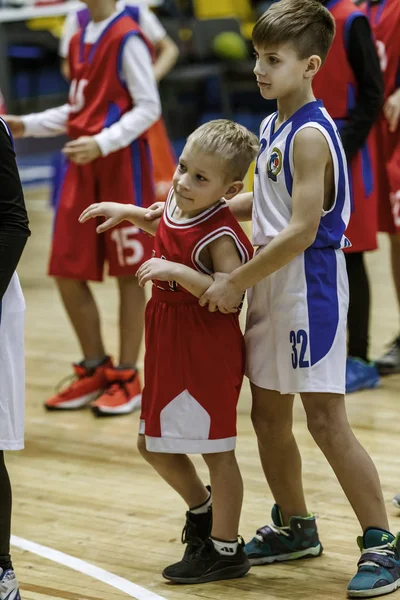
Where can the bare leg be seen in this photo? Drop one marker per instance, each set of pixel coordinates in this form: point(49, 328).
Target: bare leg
point(84, 316)
point(227, 490)
point(179, 472)
point(356, 473)
point(131, 319)
point(272, 416)
point(395, 256)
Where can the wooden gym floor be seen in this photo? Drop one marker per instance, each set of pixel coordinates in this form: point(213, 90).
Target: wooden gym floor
point(80, 487)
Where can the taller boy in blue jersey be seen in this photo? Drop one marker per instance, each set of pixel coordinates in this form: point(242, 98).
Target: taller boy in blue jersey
point(296, 324)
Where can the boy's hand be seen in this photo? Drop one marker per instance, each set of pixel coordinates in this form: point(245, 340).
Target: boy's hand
point(82, 151)
point(391, 110)
point(15, 124)
point(112, 211)
point(222, 295)
point(155, 211)
point(155, 268)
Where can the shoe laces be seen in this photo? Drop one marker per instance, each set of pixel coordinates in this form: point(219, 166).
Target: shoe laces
point(388, 551)
point(188, 534)
point(114, 387)
point(68, 382)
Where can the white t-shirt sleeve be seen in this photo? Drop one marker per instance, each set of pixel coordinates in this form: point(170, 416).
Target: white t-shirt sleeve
point(151, 26)
point(137, 73)
point(48, 123)
point(71, 26)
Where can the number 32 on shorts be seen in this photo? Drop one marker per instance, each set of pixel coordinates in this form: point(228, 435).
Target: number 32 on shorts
point(299, 341)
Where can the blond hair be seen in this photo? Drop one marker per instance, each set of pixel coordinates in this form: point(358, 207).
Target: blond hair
point(306, 23)
point(235, 145)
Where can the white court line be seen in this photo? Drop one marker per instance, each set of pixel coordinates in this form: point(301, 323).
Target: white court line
point(133, 590)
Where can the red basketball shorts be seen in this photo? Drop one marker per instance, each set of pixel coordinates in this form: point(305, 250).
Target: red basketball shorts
point(78, 252)
point(363, 226)
point(194, 367)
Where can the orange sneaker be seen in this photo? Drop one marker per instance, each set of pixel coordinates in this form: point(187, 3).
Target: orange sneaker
point(123, 394)
point(84, 386)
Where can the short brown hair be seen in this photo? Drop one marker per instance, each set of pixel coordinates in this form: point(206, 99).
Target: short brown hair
point(305, 23)
point(235, 145)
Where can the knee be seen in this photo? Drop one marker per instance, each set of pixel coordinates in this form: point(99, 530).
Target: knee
point(128, 282)
point(66, 284)
point(319, 426)
point(217, 460)
point(154, 459)
point(270, 428)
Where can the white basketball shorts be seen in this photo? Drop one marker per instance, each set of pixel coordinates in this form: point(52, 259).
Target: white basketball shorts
point(296, 325)
point(12, 367)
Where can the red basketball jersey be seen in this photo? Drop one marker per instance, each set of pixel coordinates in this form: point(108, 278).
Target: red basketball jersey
point(194, 361)
point(98, 96)
point(183, 241)
point(335, 83)
point(385, 23)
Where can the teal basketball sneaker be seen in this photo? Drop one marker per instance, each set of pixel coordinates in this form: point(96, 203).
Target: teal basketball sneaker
point(275, 543)
point(379, 566)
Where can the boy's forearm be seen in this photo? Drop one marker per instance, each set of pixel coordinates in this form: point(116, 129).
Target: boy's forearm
point(49, 123)
point(194, 282)
point(242, 206)
point(167, 56)
point(136, 215)
point(280, 251)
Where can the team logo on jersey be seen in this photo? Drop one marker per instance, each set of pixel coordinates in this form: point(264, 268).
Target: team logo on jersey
point(274, 164)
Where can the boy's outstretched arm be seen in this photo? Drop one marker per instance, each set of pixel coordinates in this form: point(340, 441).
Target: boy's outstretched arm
point(311, 157)
point(48, 123)
point(224, 256)
point(114, 213)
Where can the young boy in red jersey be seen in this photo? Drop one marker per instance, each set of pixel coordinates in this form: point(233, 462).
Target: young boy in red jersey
point(351, 88)
point(194, 360)
point(112, 103)
point(384, 17)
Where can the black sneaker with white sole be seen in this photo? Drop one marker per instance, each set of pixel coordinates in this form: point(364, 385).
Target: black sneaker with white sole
point(206, 564)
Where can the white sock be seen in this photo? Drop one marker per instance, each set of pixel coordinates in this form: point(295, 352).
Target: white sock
point(225, 548)
point(202, 508)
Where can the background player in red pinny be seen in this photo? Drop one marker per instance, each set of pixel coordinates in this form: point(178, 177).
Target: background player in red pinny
point(113, 101)
point(194, 361)
point(351, 87)
point(384, 17)
point(166, 54)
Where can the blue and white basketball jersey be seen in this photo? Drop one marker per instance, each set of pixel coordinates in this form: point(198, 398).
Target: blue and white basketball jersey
point(273, 182)
point(296, 318)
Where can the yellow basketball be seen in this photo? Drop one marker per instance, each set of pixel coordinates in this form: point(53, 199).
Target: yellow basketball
point(230, 45)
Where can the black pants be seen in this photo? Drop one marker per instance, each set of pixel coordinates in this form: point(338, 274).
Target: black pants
point(5, 515)
point(359, 307)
